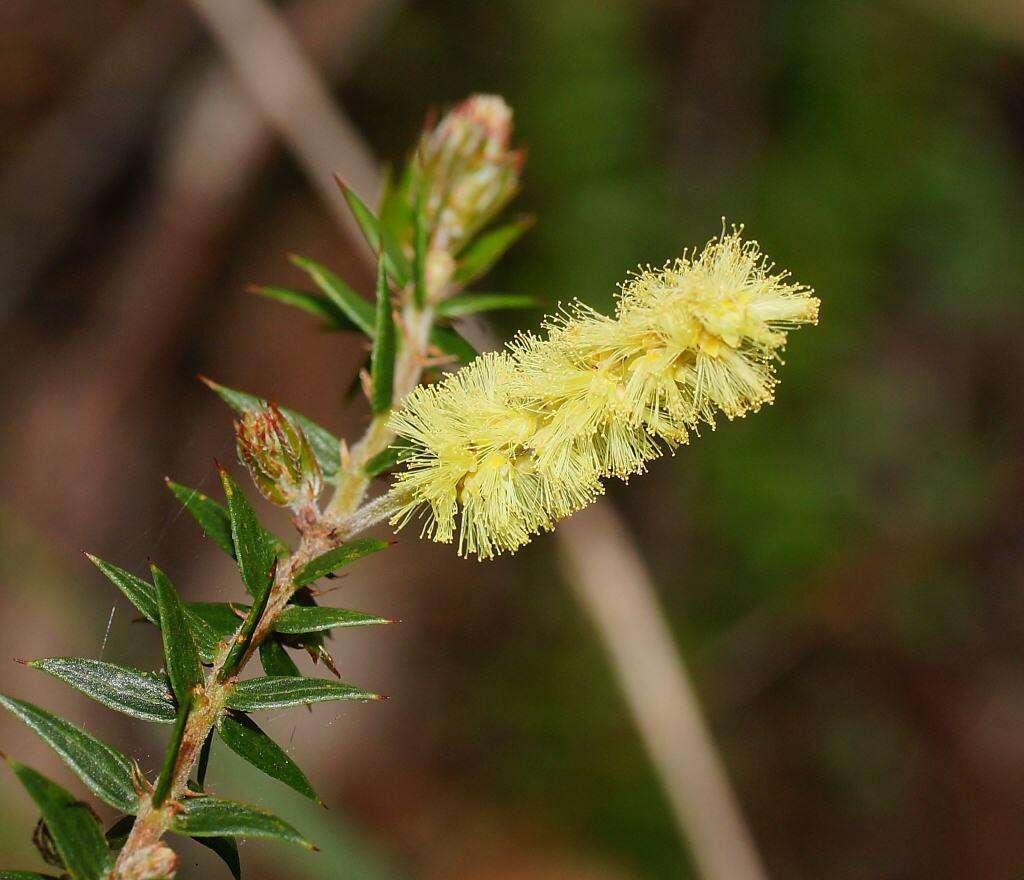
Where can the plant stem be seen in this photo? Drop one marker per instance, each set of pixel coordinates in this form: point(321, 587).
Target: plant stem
point(353, 481)
point(152, 821)
point(324, 532)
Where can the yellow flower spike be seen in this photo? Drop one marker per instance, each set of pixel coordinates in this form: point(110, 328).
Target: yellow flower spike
point(519, 439)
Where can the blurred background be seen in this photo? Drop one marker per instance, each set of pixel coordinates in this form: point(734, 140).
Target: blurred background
point(843, 572)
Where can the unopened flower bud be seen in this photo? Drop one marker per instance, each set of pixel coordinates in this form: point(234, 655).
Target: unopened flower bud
point(279, 457)
point(470, 170)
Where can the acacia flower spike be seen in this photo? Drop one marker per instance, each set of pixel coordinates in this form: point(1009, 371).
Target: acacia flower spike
point(519, 439)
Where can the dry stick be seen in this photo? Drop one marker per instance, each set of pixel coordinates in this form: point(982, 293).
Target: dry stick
point(610, 580)
point(640, 644)
point(291, 94)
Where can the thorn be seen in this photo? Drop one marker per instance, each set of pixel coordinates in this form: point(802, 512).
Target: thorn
point(329, 662)
point(255, 288)
point(21, 662)
point(321, 803)
point(344, 187)
point(207, 381)
point(176, 807)
point(335, 577)
point(381, 698)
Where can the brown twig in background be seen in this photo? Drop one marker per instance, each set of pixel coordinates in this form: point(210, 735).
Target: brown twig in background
point(291, 96)
point(611, 582)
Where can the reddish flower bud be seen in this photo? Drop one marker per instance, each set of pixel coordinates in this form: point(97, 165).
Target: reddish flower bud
point(279, 457)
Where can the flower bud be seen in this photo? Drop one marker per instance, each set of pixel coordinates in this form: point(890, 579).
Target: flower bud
point(470, 170)
point(279, 457)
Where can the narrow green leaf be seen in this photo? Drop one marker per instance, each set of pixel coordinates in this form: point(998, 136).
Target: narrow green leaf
point(385, 344)
point(208, 640)
point(222, 620)
point(325, 444)
point(219, 617)
point(180, 655)
point(296, 619)
point(240, 644)
point(452, 343)
point(275, 660)
point(396, 214)
point(142, 595)
point(163, 784)
point(321, 307)
point(395, 261)
point(419, 274)
point(210, 515)
point(255, 553)
point(332, 560)
point(143, 695)
point(487, 249)
point(75, 831)
point(473, 303)
point(356, 309)
point(245, 738)
point(213, 817)
point(106, 772)
point(227, 849)
point(388, 458)
point(277, 692)
point(364, 216)
point(139, 592)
